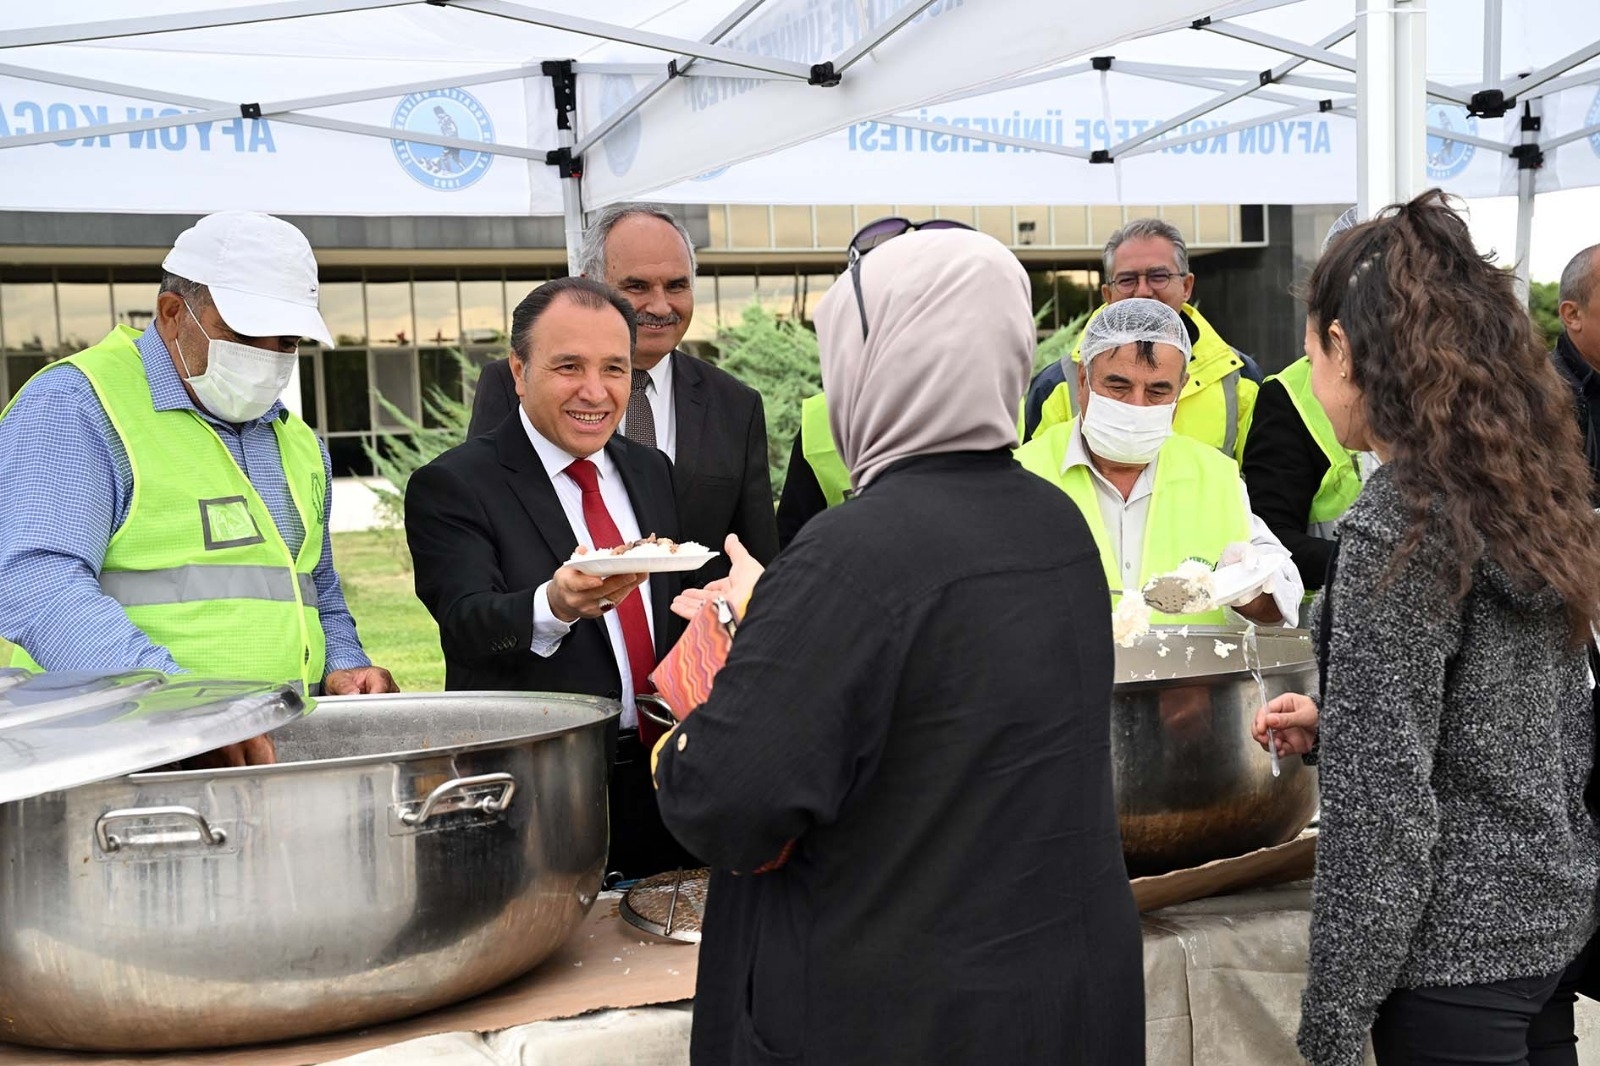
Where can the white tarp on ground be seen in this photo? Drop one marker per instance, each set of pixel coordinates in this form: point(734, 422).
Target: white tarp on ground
point(1300, 154)
point(145, 114)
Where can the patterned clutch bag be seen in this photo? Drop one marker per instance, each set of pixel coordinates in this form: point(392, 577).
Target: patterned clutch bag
point(684, 676)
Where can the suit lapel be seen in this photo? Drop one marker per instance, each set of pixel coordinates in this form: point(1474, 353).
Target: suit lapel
point(531, 485)
point(651, 514)
point(689, 408)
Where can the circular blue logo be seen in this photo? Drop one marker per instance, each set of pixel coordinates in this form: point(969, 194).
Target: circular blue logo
point(443, 113)
point(1446, 157)
point(622, 143)
point(1593, 119)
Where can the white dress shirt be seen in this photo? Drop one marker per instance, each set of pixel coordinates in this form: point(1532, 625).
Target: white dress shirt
point(658, 390)
point(1125, 519)
point(548, 630)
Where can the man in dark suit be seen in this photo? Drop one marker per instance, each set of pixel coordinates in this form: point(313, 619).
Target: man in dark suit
point(492, 522)
point(707, 422)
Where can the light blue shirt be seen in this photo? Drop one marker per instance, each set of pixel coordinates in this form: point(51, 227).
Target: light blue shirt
point(68, 484)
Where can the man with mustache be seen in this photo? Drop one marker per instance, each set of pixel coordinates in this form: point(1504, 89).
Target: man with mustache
point(707, 422)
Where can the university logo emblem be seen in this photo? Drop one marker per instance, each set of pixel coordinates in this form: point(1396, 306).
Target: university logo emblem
point(443, 113)
point(1446, 157)
point(622, 143)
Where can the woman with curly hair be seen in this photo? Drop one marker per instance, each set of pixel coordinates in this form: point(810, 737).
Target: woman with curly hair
point(1457, 862)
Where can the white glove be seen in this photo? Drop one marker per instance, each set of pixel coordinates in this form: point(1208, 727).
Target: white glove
point(1247, 556)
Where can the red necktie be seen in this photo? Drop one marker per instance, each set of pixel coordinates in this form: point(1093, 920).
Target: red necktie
point(635, 629)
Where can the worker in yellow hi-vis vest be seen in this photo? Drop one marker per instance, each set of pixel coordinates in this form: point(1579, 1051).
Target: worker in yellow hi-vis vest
point(163, 509)
point(1154, 498)
point(1301, 478)
point(1148, 259)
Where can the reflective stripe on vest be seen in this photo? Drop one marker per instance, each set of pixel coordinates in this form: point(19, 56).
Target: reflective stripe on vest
point(816, 444)
point(198, 564)
point(1196, 508)
point(188, 584)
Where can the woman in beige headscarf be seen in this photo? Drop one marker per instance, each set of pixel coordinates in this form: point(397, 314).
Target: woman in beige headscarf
point(902, 777)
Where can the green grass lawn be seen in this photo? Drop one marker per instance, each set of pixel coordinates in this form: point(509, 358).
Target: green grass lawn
point(396, 630)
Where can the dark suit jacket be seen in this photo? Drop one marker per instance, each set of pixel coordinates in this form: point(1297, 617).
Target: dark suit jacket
point(720, 472)
point(486, 529)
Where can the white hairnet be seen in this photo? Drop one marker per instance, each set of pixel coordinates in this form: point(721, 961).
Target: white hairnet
point(1130, 321)
point(1347, 221)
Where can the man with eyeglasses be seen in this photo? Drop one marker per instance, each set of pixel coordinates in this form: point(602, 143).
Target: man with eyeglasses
point(1148, 258)
point(817, 478)
point(163, 510)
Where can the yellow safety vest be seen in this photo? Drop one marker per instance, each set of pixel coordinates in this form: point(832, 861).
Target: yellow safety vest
point(816, 444)
point(1196, 508)
point(198, 564)
point(1342, 483)
point(1217, 416)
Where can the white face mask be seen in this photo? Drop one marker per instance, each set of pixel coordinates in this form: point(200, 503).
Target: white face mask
point(1125, 433)
point(241, 382)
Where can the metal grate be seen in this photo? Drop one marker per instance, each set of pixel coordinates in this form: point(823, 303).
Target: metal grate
point(669, 905)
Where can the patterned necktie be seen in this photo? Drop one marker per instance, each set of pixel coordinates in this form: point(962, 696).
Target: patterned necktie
point(603, 531)
point(641, 427)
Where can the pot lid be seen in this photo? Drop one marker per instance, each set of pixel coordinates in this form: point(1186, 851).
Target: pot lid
point(61, 730)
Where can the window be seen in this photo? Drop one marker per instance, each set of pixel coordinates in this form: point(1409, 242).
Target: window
point(748, 226)
point(344, 309)
point(791, 227)
point(438, 312)
point(84, 301)
point(394, 373)
point(835, 227)
point(28, 316)
point(389, 313)
point(483, 312)
point(439, 372)
point(134, 303)
point(345, 379)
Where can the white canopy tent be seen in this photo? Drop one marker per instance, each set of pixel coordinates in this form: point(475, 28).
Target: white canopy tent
point(295, 106)
point(1263, 107)
point(509, 108)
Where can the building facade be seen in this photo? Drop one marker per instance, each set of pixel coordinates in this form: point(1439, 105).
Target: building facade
point(401, 295)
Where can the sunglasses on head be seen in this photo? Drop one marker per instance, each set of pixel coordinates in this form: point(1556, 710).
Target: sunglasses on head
point(873, 234)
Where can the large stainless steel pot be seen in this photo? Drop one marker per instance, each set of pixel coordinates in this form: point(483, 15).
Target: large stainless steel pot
point(408, 851)
point(1191, 784)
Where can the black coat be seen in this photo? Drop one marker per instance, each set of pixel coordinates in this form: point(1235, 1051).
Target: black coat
point(919, 697)
point(1283, 468)
point(486, 529)
point(1585, 386)
point(720, 472)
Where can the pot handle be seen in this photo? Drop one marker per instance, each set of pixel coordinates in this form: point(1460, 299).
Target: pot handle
point(655, 708)
point(489, 802)
point(109, 841)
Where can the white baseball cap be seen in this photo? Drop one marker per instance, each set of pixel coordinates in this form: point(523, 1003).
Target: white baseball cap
point(260, 271)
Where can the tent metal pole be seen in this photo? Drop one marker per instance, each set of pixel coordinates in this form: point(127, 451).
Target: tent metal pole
point(572, 209)
point(305, 103)
point(1521, 87)
point(1411, 96)
point(222, 111)
point(1317, 53)
point(188, 20)
point(1530, 158)
point(643, 38)
point(648, 93)
point(1391, 100)
point(856, 52)
point(698, 69)
point(1233, 94)
point(1493, 31)
point(1467, 138)
point(1567, 138)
